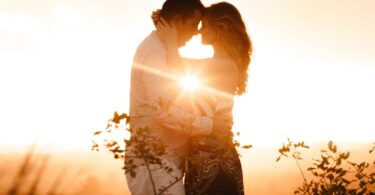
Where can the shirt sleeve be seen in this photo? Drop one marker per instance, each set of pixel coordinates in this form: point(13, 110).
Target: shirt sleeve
point(162, 91)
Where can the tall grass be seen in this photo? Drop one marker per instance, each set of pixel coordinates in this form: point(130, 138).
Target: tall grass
point(39, 175)
point(30, 174)
point(57, 182)
point(25, 169)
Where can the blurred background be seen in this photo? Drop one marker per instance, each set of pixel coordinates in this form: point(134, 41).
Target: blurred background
point(65, 68)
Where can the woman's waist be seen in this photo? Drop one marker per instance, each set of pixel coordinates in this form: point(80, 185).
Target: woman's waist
point(211, 143)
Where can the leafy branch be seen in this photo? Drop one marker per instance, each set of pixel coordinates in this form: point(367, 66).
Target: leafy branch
point(293, 149)
point(329, 173)
point(142, 149)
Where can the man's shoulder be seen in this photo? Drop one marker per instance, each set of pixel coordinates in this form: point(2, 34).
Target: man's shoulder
point(151, 44)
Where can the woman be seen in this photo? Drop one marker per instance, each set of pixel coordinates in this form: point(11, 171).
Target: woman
point(214, 166)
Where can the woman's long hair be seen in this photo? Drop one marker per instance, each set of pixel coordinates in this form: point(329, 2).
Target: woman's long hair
point(233, 37)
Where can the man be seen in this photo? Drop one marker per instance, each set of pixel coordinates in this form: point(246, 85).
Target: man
point(153, 85)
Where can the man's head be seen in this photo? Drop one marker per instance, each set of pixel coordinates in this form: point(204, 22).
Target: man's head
point(184, 15)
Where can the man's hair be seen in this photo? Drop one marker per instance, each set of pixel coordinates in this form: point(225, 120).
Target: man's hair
point(184, 8)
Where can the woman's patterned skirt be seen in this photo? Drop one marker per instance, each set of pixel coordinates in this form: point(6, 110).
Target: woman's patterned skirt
point(213, 167)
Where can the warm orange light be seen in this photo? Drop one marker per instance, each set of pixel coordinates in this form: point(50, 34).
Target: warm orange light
point(190, 82)
point(195, 49)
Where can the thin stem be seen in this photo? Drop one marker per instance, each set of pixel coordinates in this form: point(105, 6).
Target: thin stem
point(300, 169)
point(24, 170)
point(58, 181)
point(152, 180)
point(303, 175)
point(33, 188)
point(170, 185)
point(132, 157)
point(148, 169)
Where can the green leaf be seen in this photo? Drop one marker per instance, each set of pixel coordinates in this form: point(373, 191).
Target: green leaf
point(307, 147)
point(342, 173)
point(330, 145)
point(117, 118)
point(132, 174)
point(362, 184)
point(247, 146)
point(330, 177)
point(97, 132)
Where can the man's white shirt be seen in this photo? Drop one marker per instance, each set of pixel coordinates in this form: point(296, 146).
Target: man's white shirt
point(153, 93)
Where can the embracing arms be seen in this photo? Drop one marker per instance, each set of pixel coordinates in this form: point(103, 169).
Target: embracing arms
point(170, 113)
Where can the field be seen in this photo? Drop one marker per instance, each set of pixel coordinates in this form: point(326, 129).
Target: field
point(87, 172)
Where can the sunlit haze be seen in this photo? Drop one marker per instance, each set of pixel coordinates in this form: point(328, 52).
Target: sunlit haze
point(65, 68)
point(189, 82)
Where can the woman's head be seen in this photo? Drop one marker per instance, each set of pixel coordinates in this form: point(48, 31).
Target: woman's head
point(223, 27)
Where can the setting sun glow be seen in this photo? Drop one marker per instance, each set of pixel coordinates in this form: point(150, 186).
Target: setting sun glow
point(190, 82)
point(65, 68)
point(302, 82)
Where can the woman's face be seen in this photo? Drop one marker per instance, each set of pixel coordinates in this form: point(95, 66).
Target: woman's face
point(209, 35)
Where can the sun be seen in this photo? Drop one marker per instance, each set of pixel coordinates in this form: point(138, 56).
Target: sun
point(190, 82)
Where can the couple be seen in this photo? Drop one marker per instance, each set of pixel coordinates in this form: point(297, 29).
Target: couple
point(195, 127)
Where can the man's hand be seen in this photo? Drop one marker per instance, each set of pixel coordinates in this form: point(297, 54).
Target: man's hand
point(155, 16)
point(168, 34)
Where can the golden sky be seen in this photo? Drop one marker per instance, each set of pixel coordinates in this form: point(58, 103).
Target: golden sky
point(64, 69)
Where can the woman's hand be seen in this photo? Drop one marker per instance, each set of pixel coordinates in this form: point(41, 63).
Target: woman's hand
point(167, 33)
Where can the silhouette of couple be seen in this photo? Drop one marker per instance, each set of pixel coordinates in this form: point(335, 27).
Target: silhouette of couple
point(194, 126)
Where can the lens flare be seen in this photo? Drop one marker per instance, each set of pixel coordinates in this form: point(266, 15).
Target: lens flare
point(190, 82)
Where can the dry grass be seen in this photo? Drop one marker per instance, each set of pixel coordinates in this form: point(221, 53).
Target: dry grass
point(74, 173)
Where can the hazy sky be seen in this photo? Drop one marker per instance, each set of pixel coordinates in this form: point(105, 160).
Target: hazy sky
point(64, 68)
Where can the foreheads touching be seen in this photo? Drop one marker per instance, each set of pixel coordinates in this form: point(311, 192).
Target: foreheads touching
point(182, 8)
point(185, 15)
